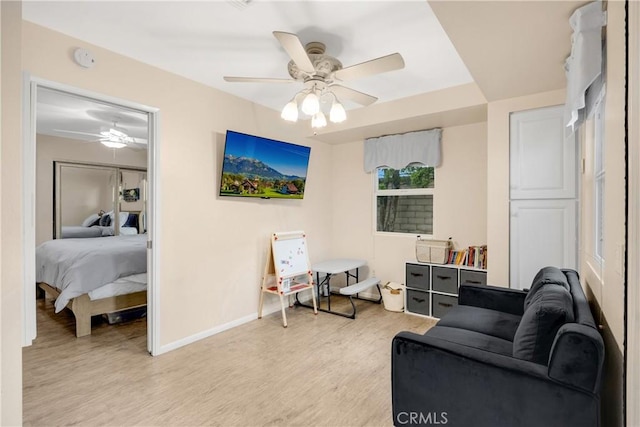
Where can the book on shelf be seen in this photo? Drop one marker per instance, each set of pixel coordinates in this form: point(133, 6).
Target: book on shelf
point(477, 257)
point(473, 256)
point(457, 257)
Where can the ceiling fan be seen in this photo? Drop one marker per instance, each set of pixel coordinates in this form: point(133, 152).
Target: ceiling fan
point(321, 73)
point(113, 137)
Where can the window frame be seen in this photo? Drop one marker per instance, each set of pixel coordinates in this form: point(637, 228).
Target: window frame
point(402, 192)
point(598, 179)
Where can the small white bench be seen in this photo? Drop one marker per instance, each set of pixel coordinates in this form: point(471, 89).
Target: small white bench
point(356, 288)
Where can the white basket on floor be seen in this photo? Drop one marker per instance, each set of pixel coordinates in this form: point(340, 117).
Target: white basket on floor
point(393, 296)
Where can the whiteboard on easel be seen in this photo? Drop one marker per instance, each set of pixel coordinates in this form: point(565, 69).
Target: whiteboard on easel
point(290, 254)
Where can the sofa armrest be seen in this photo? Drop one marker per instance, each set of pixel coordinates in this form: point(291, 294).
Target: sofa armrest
point(577, 356)
point(434, 379)
point(493, 298)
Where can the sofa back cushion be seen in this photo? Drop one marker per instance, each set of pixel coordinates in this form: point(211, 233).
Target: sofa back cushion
point(546, 276)
point(549, 308)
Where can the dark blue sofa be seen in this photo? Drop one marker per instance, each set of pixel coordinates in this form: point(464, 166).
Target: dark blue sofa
point(504, 357)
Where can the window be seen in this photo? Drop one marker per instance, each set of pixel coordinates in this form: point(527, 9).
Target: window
point(598, 181)
point(404, 200)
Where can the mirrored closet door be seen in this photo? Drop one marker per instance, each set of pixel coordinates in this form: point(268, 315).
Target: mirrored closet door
point(98, 201)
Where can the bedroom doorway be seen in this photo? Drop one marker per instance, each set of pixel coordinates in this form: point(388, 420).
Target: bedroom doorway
point(67, 124)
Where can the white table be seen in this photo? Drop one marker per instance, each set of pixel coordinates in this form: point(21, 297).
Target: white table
point(350, 267)
point(338, 265)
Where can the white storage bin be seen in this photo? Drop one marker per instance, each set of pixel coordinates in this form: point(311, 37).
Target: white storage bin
point(393, 296)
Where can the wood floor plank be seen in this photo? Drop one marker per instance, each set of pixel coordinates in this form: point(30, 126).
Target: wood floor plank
point(320, 370)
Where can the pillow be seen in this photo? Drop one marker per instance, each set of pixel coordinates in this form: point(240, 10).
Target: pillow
point(132, 221)
point(546, 276)
point(105, 220)
point(550, 308)
point(123, 217)
point(90, 220)
point(96, 222)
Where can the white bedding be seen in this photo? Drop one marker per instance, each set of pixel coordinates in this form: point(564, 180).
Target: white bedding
point(79, 266)
point(108, 230)
point(78, 231)
point(122, 286)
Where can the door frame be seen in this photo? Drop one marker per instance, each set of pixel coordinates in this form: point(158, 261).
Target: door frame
point(632, 286)
point(30, 87)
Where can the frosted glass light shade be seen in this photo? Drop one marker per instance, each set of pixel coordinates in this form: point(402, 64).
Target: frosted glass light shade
point(290, 112)
point(318, 120)
point(311, 104)
point(113, 144)
point(337, 113)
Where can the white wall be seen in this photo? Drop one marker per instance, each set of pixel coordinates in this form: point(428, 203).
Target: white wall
point(50, 149)
point(213, 249)
point(11, 271)
point(460, 207)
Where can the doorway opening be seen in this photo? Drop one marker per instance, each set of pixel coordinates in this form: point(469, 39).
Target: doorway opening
point(90, 181)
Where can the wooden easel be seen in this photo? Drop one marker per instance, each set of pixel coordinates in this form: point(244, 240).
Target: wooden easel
point(288, 262)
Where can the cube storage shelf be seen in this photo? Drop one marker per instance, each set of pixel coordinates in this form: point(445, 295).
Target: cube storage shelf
point(432, 289)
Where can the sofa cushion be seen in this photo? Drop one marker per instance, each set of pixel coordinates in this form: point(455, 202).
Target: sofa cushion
point(550, 308)
point(471, 339)
point(488, 322)
point(546, 276)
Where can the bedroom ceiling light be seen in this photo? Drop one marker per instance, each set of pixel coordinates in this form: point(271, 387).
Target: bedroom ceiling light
point(311, 106)
point(113, 142)
point(115, 138)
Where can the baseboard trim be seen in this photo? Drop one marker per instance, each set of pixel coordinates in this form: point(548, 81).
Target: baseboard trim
point(215, 330)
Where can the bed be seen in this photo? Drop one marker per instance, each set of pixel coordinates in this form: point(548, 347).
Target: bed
point(97, 225)
point(93, 276)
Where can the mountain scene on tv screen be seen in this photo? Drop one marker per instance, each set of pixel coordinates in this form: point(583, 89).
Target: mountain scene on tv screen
point(244, 176)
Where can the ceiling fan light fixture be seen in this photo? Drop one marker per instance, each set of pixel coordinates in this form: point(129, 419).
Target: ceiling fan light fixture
point(117, 132)
point(290, 111)
point(113, 143)
point(318, 120)
point(311, 103)
point(337, 113)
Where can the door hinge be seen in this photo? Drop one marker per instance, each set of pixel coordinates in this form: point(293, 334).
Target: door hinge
point(149, 244)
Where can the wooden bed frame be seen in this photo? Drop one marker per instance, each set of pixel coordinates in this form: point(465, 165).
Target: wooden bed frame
point(83, 307)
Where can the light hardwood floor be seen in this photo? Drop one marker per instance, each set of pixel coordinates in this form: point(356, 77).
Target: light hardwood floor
point(322, 370)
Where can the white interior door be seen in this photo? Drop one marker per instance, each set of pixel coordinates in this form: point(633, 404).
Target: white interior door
point(543, 194)
point(543, 233)
point(543, 163)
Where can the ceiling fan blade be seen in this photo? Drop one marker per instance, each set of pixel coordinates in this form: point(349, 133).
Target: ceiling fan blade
point(374, 66)
point(295, 49)
point(352, 94)
point(76, 132)
point(256, 80)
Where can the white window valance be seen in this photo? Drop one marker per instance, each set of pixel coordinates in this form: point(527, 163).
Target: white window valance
point(399, 151)
point(584, 64)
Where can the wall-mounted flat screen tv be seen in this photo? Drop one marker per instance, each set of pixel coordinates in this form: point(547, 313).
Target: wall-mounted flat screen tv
point(259, 167)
